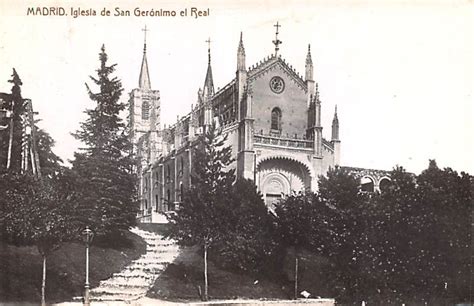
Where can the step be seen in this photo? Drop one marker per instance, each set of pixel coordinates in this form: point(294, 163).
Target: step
point(134, 280)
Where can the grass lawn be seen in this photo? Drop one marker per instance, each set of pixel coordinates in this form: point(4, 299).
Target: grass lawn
point(21, 268)
point(182, 279)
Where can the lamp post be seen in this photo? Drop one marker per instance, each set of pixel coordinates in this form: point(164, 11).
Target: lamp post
point(89, 235)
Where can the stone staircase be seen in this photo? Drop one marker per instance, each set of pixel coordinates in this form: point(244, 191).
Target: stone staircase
point(134, 281)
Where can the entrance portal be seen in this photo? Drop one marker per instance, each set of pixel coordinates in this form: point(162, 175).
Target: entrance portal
point(279, 177)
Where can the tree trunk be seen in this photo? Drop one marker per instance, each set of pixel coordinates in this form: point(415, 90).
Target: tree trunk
point(205, 274)
point(296, 275)
point(10, 140)
point(43, 284)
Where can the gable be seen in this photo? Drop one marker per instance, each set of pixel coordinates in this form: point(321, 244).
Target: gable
point(272, 63)
point(275, 87)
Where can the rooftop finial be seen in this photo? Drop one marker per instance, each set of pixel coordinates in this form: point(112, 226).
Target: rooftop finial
point(144, 38)
point(241, 55)
point(309, 66)
point(335, 126)
point(277, 42)
point(335, 120)
point(209, 49)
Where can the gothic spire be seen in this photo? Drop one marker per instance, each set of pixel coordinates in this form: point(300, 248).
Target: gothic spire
point(144, 79)
point(316, 94)
point(241, 55)
point(335, 126)
point(209, 82)
point(309, 65)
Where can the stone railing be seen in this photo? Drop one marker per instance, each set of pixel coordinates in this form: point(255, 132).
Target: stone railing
point(299, 143)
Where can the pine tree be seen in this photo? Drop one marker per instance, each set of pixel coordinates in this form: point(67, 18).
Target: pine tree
point(49, 162)
point(203, 217)
point(104, 166)
point(33, 209)
point(11, 137)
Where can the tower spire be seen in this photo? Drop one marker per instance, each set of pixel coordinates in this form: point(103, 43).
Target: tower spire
point(144, 79)
point(316, 94)
point(309, 65)
point(335, 126)
point(241, 55)
point(208, 82)
point(277, 42)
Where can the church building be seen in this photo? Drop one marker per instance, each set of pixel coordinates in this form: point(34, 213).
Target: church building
point(272, 118)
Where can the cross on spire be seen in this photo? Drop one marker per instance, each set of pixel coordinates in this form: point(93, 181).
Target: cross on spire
point(208, 82)
point(144, 39)
point(209, 48)
point(277, 42)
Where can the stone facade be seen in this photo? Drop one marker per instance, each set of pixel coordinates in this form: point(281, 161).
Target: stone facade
point(271, 115)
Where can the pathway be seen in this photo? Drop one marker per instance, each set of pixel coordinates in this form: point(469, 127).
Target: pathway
point(133, 282)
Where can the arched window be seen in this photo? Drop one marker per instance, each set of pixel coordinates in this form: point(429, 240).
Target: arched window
point(181, 165)
point(145, 110)
point(384, 184)
point(181, 192)
point(367, 184)
point(276, 119)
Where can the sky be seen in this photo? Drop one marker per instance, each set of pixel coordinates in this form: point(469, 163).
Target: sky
point(400, 72)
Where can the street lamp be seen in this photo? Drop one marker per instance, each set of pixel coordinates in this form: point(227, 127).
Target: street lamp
point(89, 235)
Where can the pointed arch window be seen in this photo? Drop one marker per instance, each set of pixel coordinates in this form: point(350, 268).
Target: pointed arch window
point(168, 173)
point(181, 192)
point(168, 199)
point(145, 110)
point(181, 166)
point(276, 120)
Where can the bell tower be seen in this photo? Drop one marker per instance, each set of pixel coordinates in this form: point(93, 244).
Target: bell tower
point(144, 112)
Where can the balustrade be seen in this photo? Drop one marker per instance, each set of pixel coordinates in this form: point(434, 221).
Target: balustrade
point(283, 141)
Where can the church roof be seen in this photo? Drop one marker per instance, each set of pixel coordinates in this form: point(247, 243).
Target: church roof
point(269, 62)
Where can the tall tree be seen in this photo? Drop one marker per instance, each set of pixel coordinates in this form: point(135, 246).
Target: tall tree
point(50, 162)
point(11, 136)
point(104, 165)
point(33, 210)
point(295, 221)
point(396, 221)
point(339, 190)
point(250, 244)
point(204, 215)
point(446, 199)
